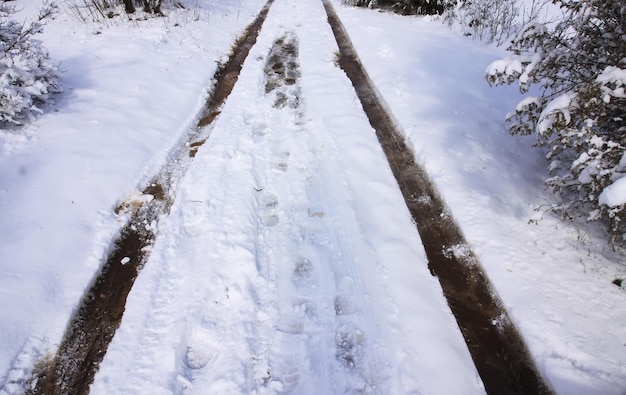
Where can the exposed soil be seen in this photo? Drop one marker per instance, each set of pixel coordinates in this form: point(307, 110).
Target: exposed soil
point(100, 312)
point(498, 350)
point(282, 72)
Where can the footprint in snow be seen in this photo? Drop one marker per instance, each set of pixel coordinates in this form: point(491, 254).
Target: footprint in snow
point(349, 343)
point(344, 305)
point(268, 208)
point(287, 354)
point(280, 163)
point(302, 271)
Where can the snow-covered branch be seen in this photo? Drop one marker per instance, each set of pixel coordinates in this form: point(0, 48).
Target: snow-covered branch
point(581, 113)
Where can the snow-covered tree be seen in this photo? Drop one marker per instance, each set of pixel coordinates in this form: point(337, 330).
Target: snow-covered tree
point(580, 114)
point(27, 77)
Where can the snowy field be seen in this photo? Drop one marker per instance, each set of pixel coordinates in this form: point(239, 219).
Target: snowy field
point(289, 262)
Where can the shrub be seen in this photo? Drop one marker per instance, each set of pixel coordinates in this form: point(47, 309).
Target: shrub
point(487, 20)
point(27, 78)
point(496, 21)
point(407, 7)
point(580, 69)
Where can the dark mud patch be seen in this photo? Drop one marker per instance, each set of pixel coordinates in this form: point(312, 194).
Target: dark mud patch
point(497, 349)
point(100, 312)
point(282, 72)
point(193, 148)
point(156, 190)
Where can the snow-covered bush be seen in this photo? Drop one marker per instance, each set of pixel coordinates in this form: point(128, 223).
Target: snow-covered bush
point(406, 7)
point(488, 20)
point(580, 114)
point(27, 78)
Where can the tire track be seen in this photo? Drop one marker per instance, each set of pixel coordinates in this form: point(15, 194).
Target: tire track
point(100, 311)
point(497, 349)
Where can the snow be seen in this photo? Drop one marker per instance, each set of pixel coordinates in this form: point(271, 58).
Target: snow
point(557, 110)
point(511, 67)
point(289, 248)
point(615, 194)
point(531, 30)
point(527, 102)
point(613, 80)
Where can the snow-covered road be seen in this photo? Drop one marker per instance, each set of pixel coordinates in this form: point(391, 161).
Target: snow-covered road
point(289, 262)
